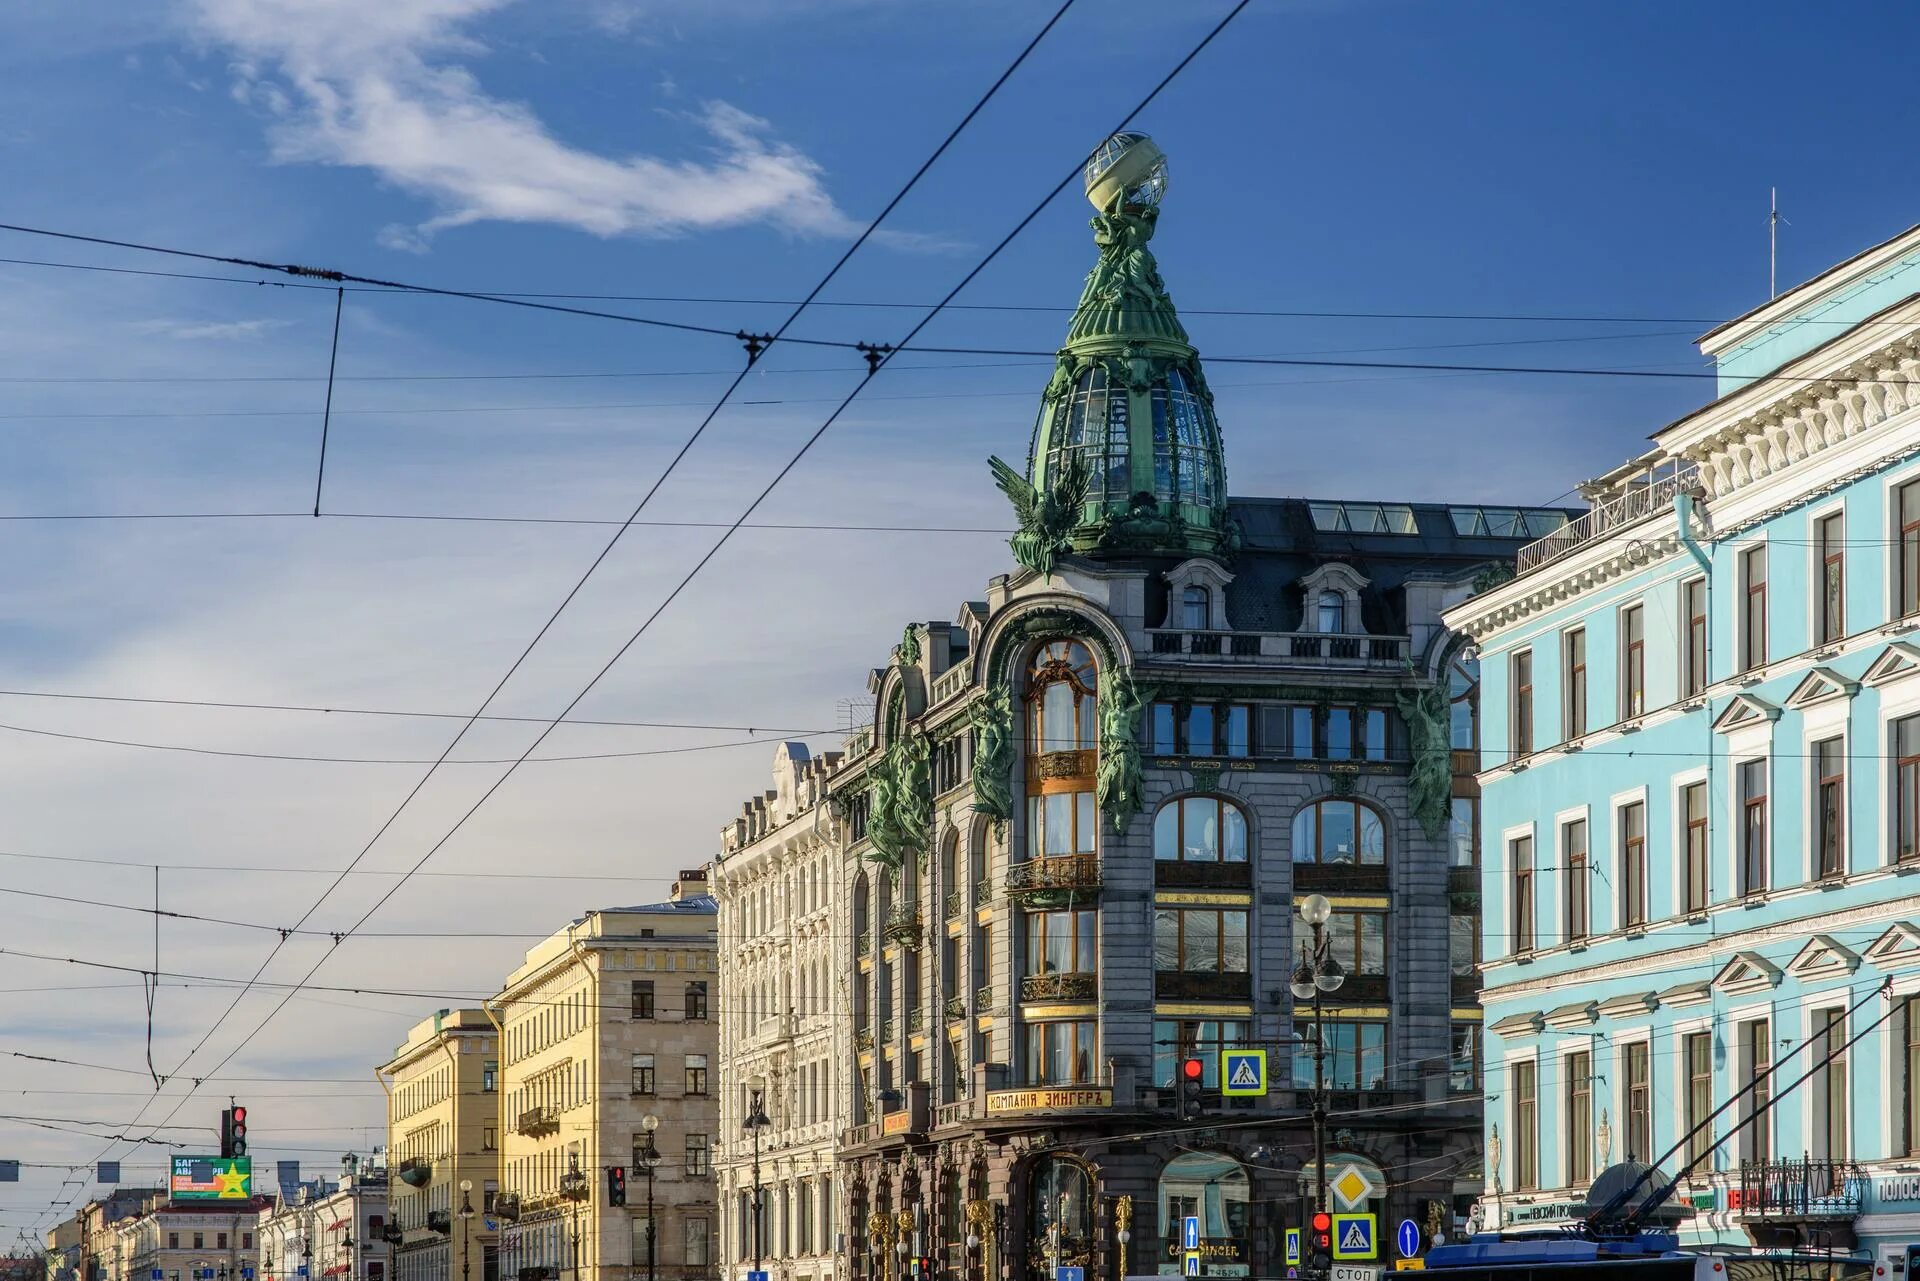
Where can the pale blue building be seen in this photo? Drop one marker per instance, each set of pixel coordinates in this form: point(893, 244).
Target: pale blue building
point(1700, 775)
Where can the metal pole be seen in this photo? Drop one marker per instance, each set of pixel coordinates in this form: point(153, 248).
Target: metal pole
point(650, 1256)
point(756, 1183)
point(1319, 1083)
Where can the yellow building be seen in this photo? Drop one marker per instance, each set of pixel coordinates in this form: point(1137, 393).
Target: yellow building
point(443, 1148)
point(608, 1076)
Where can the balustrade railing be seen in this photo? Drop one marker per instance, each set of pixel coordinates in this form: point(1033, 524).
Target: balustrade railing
point(1632, 505)
point(1072, 985)
point(1811, 1188)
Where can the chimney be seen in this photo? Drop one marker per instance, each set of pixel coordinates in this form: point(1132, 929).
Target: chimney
point(692, 884)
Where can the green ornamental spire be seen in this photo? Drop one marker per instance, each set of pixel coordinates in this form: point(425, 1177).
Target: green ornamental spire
point(1126, 453)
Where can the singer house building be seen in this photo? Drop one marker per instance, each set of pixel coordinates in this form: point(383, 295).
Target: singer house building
point(1072, 846)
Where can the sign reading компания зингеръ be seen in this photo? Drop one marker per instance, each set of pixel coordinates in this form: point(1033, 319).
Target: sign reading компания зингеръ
point(1052, 1100)
point(211, 1178)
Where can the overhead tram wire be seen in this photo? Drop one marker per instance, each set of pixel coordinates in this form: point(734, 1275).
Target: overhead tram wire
point(883, 355)
point(720, 404)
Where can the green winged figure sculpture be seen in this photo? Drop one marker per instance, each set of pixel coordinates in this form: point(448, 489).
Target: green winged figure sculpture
point(1046, 519)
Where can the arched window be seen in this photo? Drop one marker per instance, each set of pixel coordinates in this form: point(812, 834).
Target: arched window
point(1211, 1186)
point(1197, 609)
point(1463, 687)
point(1090, 426)
point(1183, 436)
point(1059, 1215)
point(1060, 696)
point(1338, 831)
point(862, 911)
point(1333, 612)
point(950, 871)
point(1200, 829)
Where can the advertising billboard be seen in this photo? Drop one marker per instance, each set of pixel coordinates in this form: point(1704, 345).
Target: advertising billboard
point(211, 1178)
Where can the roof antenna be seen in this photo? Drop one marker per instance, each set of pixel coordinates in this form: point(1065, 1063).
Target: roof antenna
point(1773, 244)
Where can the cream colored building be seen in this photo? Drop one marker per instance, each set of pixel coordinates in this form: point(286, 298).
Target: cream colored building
point(786, 1025)
point(443, 1148)
point(609, 1022)
point(183, 1241)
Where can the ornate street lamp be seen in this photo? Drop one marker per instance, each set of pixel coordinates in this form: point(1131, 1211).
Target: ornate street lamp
point(466, 1217)
point(649, 1160)
point(756, 1121)
point(573, 1186)
point(1317, 975)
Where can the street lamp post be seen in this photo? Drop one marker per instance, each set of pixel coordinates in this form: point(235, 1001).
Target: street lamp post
point(573, 1186)
point(756, 1121)
point(347, 1245)
point(466, 1217)
point(1317, 974)
point(649, 1159)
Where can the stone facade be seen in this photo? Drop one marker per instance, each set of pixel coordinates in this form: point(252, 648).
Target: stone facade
point(443, 1148)
point(608, 1022)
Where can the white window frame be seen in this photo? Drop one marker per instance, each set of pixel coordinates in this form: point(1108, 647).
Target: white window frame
point(1681, 657)
point(1892, 1056)
point(1620, 662)
point(1591, 1046)
point(1810, 1004)
point(1563, 873)
point(1507, 837)
point(1735, 1020)
point(1899, 699)
point(1677, 829)
point(1577, 628)
point(1736, 827)
point(1530, 1054)
point(1617, 853)
point(1890, 486)
point(1816, 573)
point(1620, 1042)
point(1819, 723)
point(1679, 1030)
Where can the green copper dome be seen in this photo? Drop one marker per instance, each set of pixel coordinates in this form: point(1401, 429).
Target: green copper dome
point(1126, 452)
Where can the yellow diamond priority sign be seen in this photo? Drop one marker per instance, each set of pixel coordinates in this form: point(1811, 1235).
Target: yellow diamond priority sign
point(1351, 1186)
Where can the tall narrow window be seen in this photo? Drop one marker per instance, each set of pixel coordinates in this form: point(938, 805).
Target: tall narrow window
point(1698, 1048)
point(1520, 858)
point(1906, 789)
point(1574, 679)
point(1633, 661)
point(1579, 881)
point(1525, 1121)
point(1693, 674)
point(1753, 826)
point(1639, 1102)
point(1830, 1090)
point(1830, 536)
point(1198, 609)
point(1579, 1118)
point(1633, 864)
point(1693, 801)
point(1753, 608)
point(1908, 1048)
point(1333, 612)
point(1756, 1058)
point(1830, 807)
point(1909, 548)
point(1522, 703)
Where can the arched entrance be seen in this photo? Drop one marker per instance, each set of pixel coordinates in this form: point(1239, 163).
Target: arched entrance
point(1214, 1188)
point(1059, 1216)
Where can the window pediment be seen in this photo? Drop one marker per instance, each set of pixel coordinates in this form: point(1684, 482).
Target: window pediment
point(1897, 949)
point(1745, 712)
point(1900, 659)
point(1746, 973)
point(1202, 576)
point(1821, 685)
point(1331, 597)
point(1824, 957)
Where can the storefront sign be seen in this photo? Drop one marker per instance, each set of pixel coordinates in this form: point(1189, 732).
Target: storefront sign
point(1047, 1100)
point(1212, 1250)
point(896, 1122)
point(1543, 1212)
point(1906, 1187)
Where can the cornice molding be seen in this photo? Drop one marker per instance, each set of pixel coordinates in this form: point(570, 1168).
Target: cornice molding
point(1542, 590)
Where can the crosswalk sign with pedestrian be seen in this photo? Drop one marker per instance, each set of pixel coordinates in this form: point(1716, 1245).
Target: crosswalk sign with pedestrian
point(1243, 1072)
point(1354, 1237)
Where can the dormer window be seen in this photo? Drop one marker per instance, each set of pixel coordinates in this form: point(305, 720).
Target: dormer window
point(1333, 612)
point(1197, 604)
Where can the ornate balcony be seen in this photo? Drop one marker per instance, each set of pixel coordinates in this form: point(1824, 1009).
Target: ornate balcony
point(903, 925)
point(1073, 985)
point(955, 1008)
point(886, 1031)
point(983, 891)
point(1173, 872)
point(1182, 986)
point(535, 1122)
point(1048, 766)
point(1050, 882)
point(1300, 649)
point(913, 1021)
point(1635, 500)
point(862, 944)
point(863, 1040)
point(416, 1172)
point(440, 1221)
point(956, 904)
point(1800, 1190)
point(984, 1000)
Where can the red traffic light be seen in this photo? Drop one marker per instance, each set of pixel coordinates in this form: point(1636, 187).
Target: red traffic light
point(239, 1115)
point(1193, 1069)
point(1322, 1221)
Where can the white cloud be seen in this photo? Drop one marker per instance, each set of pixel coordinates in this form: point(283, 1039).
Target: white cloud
point(199, 329)
point(378, 84)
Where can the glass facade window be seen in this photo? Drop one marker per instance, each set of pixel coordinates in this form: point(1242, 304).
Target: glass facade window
point(1830, 540)
point(1061, 697)
point(1332, 612)
point(1200, 940)
point(1184, 467)
point(1463, 831)
point(1909, 548)
point(1906, 789)
point(1200, 729)
point(1060, 1052)
point(1061, 942)
point(1633, 661)
point(1578, 1105)
point(1463, 945)
point(1358, 940)
point(1522, 685)
point(1090, 429)
point(1693, 808)
point(1208, 1186)
point(642, 999)
point(1196, 605)
point(1200, 829)
point(1463, 694)
point(1579, 879)
point(1176, 1040)
point(1523, 1120)
point(1573, 683)
point(1753, 826)
point(1633, 864)
point(1753, 607)
point(1698, 1048)
point(1520, 860)
point(1464, 1068)
point(1693, 655)
point(1830, 807)
point(1637, 1114)
point(1345, 832)
point(1356, 1056)
point(1060, 823)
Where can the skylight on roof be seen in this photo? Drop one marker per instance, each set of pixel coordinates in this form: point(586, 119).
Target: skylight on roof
point(1363, 518)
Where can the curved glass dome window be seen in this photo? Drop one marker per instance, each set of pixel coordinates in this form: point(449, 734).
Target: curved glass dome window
point(1090, 425)
point(1183, 456)
point(1148, 188)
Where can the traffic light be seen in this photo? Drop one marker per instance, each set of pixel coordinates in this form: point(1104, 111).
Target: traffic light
point(1322, 1241)
point(616, 1185)
point(920, 1267)
point(1192, 1072)
point(233, 1131)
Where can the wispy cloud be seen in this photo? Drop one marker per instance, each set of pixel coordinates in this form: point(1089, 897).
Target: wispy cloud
point(207, 329)
point(382, 85)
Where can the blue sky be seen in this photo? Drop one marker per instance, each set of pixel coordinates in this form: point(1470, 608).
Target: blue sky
point(1560, 160)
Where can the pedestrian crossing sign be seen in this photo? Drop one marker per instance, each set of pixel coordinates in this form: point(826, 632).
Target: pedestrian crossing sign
point(1353, 1236)
point(1243, 1072)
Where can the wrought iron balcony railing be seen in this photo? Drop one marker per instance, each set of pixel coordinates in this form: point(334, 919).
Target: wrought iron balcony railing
point(1060, 877)
point(1811, 1188)
point(903, 925)
point(537, 1121)
point(416, 1171)
point(984, 1000)
point(956, 1007)
point(983, 891)
point(956, 903)
point(1074, 985)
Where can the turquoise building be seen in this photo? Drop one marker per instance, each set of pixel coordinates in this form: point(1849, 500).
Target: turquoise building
point(1700, 798)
